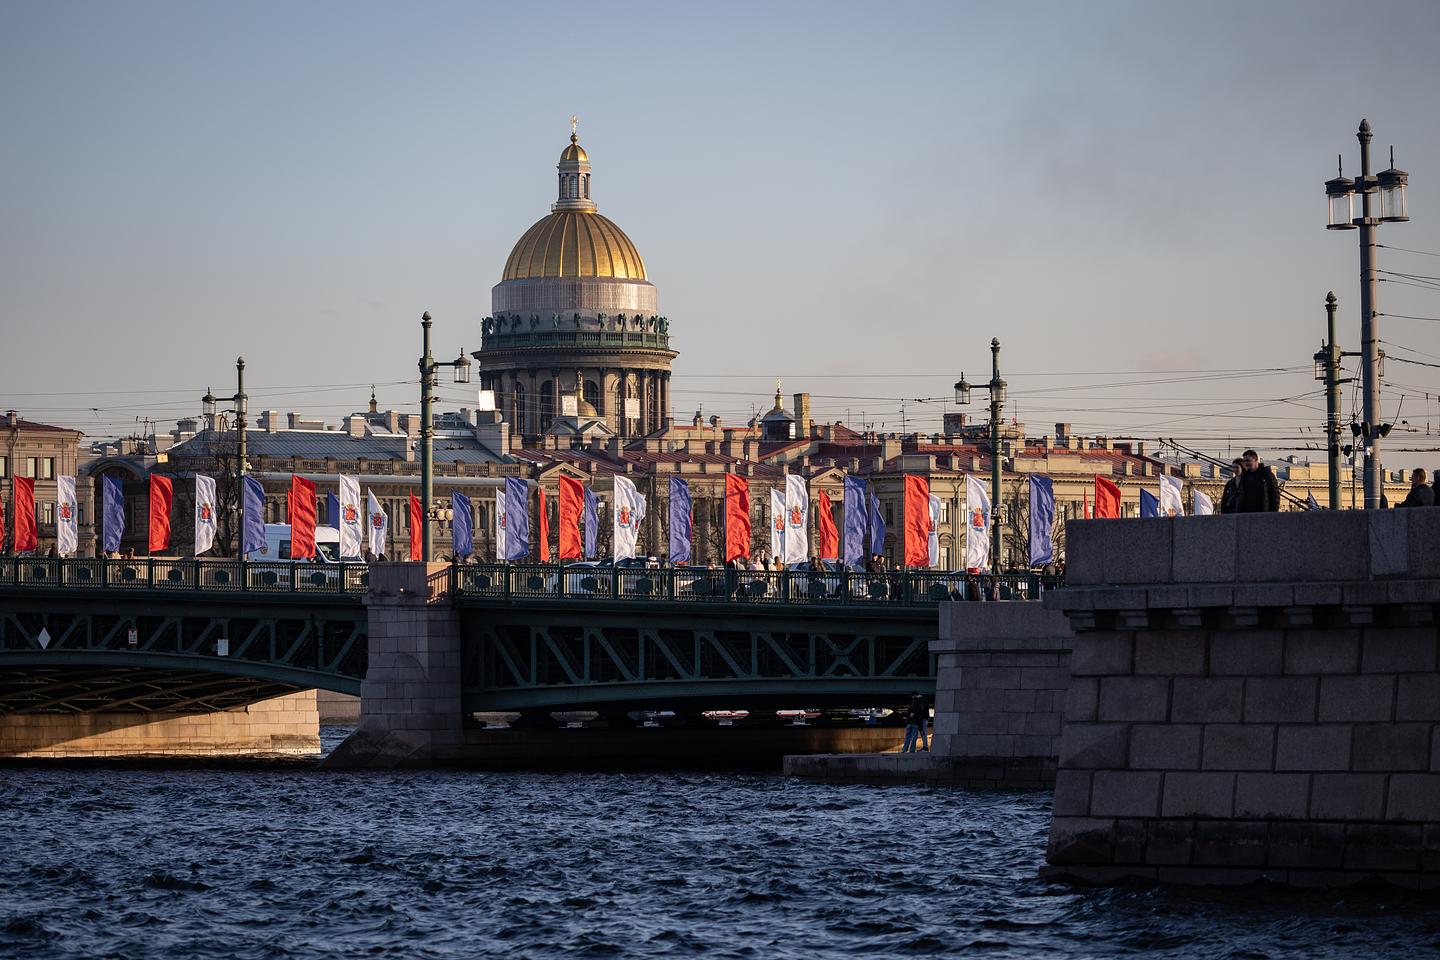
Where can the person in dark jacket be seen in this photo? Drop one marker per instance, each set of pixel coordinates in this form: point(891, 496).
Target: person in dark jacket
point(916, 717)
point(1259, 490)
point(1230, 496)
point(1420, 495)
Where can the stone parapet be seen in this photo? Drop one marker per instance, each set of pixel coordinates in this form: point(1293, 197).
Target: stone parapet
point(1226, 723)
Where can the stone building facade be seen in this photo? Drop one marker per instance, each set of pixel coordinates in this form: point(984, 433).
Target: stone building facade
point(41, 452)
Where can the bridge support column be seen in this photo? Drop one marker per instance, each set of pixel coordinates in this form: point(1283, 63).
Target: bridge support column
point(1002, 673)
point(410, 705)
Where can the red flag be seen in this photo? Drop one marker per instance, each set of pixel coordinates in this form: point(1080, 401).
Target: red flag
point(917, 521)
point(1107, 499)
point(26, 536)
point(1086, 495)
point(544, 527)
point(829, 537)
point(737, 517)
point(302, 518)
point(161, 495)
point(417, 541)
point(572, 509)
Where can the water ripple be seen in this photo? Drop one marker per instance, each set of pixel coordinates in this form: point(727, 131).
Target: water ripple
point(294, 863)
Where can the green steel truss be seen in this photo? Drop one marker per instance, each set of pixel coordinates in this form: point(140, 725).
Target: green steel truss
point(77, 653)
point(657, 654)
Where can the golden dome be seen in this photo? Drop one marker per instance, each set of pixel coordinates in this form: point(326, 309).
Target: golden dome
point(571, 243)
point(574, 152)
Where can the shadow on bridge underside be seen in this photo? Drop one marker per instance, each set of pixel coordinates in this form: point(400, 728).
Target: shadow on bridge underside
point(73, 689)
point(695, 696)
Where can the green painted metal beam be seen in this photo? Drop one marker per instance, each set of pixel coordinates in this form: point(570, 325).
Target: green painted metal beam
point(223, 666)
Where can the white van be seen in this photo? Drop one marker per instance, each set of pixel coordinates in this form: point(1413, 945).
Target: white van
point(277, 545)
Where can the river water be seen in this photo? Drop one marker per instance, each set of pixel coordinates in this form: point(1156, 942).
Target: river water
point(280, 861)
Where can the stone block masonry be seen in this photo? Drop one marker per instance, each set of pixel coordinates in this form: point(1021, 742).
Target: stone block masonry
point(410, 702)
point(1002, 675)
point(1266, 705)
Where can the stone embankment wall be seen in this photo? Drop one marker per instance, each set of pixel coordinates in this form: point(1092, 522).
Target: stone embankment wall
point(282, 725)
point(1002, 671)
point(1253, 697)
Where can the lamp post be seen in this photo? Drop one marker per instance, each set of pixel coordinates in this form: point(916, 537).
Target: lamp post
point(997, 389)
point(428, 367)
point(1382, 200)
point(1327, 369)
point(241, 402)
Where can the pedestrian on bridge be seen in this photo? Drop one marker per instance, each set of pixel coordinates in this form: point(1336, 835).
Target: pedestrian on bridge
point(1420, 495)
point(916, 719)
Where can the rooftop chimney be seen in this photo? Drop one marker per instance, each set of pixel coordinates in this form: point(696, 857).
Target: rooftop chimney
point(802, 416)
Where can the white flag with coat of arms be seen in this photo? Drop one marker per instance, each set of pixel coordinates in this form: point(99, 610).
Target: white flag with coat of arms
point(67, 532)
point(500, 524)
point(349, 520)
point(1172, 504)
point(797, 516)
point(977, 524)
point(376, 523)
point(777, 524)
point(628, 510)
point(204, 513)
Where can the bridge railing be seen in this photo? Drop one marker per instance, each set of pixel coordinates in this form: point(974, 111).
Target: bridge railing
point(533, 581)
point(714, 585)
point(182, 574)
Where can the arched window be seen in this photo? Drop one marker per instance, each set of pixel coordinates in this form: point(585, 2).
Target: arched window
point(587, 186)
point(517, 410)
point(547, 405)
point(592, 394)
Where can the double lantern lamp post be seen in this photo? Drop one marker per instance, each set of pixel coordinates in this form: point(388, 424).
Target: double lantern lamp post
point(429, 366)
point(241, 402)
point(1381, 200)
point(997, 388)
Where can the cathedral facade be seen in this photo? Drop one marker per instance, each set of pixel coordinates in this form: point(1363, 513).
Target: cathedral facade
point(575, 340)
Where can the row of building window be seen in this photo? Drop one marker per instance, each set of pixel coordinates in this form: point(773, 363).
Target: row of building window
point(38, 468)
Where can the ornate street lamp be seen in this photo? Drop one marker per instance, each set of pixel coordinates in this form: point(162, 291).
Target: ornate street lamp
point(240, 409)
point(1387, 191)
point(998, 389)
point(429, 366)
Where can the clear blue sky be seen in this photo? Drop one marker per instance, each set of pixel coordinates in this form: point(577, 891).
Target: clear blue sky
point(820, 190)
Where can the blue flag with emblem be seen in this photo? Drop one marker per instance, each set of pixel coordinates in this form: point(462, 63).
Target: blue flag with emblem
point(877, 526)
point(856, 522)
point(1149, 504)
point(517, 519)
point(112, 502)
point(592, 521)
point(680, 518)
point(462, 529)
point(252, 535)
point(1042, 520)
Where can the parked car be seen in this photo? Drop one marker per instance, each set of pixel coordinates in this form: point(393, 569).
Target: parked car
point(277, 545)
